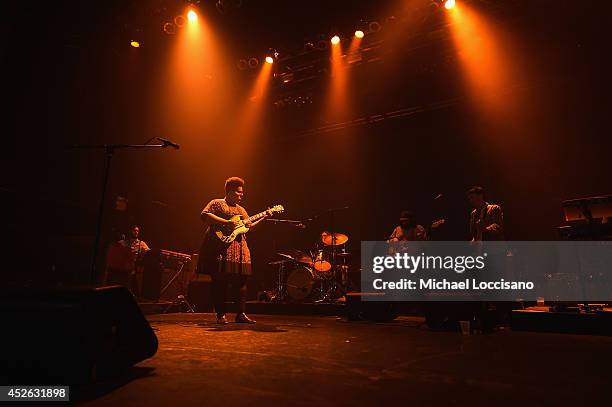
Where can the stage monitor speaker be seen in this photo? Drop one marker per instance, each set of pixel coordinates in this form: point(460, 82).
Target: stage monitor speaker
point(68, 336)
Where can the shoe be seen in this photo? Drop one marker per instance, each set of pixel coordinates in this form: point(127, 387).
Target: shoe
point(222, 320)
point(243, 319)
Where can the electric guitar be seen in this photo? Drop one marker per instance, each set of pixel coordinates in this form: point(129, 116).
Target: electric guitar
point(398, 246)
point(229, 233)
point(437, 224)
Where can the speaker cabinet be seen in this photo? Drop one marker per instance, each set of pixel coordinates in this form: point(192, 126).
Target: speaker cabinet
point(67, 336)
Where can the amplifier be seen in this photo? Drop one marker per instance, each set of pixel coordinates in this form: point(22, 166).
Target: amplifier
point(166, 275)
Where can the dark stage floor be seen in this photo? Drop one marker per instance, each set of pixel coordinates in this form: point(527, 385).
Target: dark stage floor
point(319, 360)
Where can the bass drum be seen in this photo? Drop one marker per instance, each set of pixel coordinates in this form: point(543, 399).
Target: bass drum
point(300, 283)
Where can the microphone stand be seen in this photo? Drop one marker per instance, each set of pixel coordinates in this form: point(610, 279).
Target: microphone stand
point(281, 288)
point(109, 150)
point(296, 223)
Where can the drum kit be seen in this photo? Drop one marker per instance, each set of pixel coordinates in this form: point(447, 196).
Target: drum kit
point(319, 275)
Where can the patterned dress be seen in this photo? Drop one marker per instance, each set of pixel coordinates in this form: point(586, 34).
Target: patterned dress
point(219, 257)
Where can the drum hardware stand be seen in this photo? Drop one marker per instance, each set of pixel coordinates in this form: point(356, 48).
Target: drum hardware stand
point(280, 292)
point(180, 300)
point(326, 294)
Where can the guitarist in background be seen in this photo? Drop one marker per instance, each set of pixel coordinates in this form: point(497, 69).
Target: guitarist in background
point(227, 263)
point(486, 220)
point(408, 229)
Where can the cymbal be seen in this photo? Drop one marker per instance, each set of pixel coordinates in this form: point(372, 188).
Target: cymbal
point(342, 254)
point(273, 263)
point(297, 256)
point(287, 256)
point(338, 238)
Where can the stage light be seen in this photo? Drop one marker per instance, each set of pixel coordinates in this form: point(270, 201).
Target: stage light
point(179, 21)
point(335, 40)
point(192, 16)
point(285, 77)
point(253, 62)
point(269, 60)
point(169, 28)
point(359, 34)
point(374, 26)
point(449, 4)
point(242, 64)
point(135, 44)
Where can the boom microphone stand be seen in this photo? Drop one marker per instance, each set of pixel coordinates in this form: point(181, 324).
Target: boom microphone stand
point(109, 151)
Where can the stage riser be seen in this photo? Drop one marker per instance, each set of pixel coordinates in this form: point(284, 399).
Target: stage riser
point(560, 322)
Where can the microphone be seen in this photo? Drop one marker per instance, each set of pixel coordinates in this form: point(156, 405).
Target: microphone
point(438, 197)
point(168, 143)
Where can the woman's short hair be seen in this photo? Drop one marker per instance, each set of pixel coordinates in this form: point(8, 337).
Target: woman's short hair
point(232, 183)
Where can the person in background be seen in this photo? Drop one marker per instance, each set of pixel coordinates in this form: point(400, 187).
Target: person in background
point(408, 229)
point(137, 246)
point(486, 220)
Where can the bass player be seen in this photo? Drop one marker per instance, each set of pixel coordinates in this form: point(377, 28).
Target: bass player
point(229, 264)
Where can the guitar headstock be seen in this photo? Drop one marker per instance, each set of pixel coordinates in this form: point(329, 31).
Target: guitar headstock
point(437, 223)
point(276, 209)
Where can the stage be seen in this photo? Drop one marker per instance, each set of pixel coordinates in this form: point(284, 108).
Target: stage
point(362, 178)
point(325, 361)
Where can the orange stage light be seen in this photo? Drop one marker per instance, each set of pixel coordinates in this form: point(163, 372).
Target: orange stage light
point(192, 16)
point(484, 56)
point(269, 60)
point(135, 44)
point(248, 124)
point(359, 34)
point(449, 4)
point(335, 40)
point(337, 108)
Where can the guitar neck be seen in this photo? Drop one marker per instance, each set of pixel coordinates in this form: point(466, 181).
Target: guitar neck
point(257, 217)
